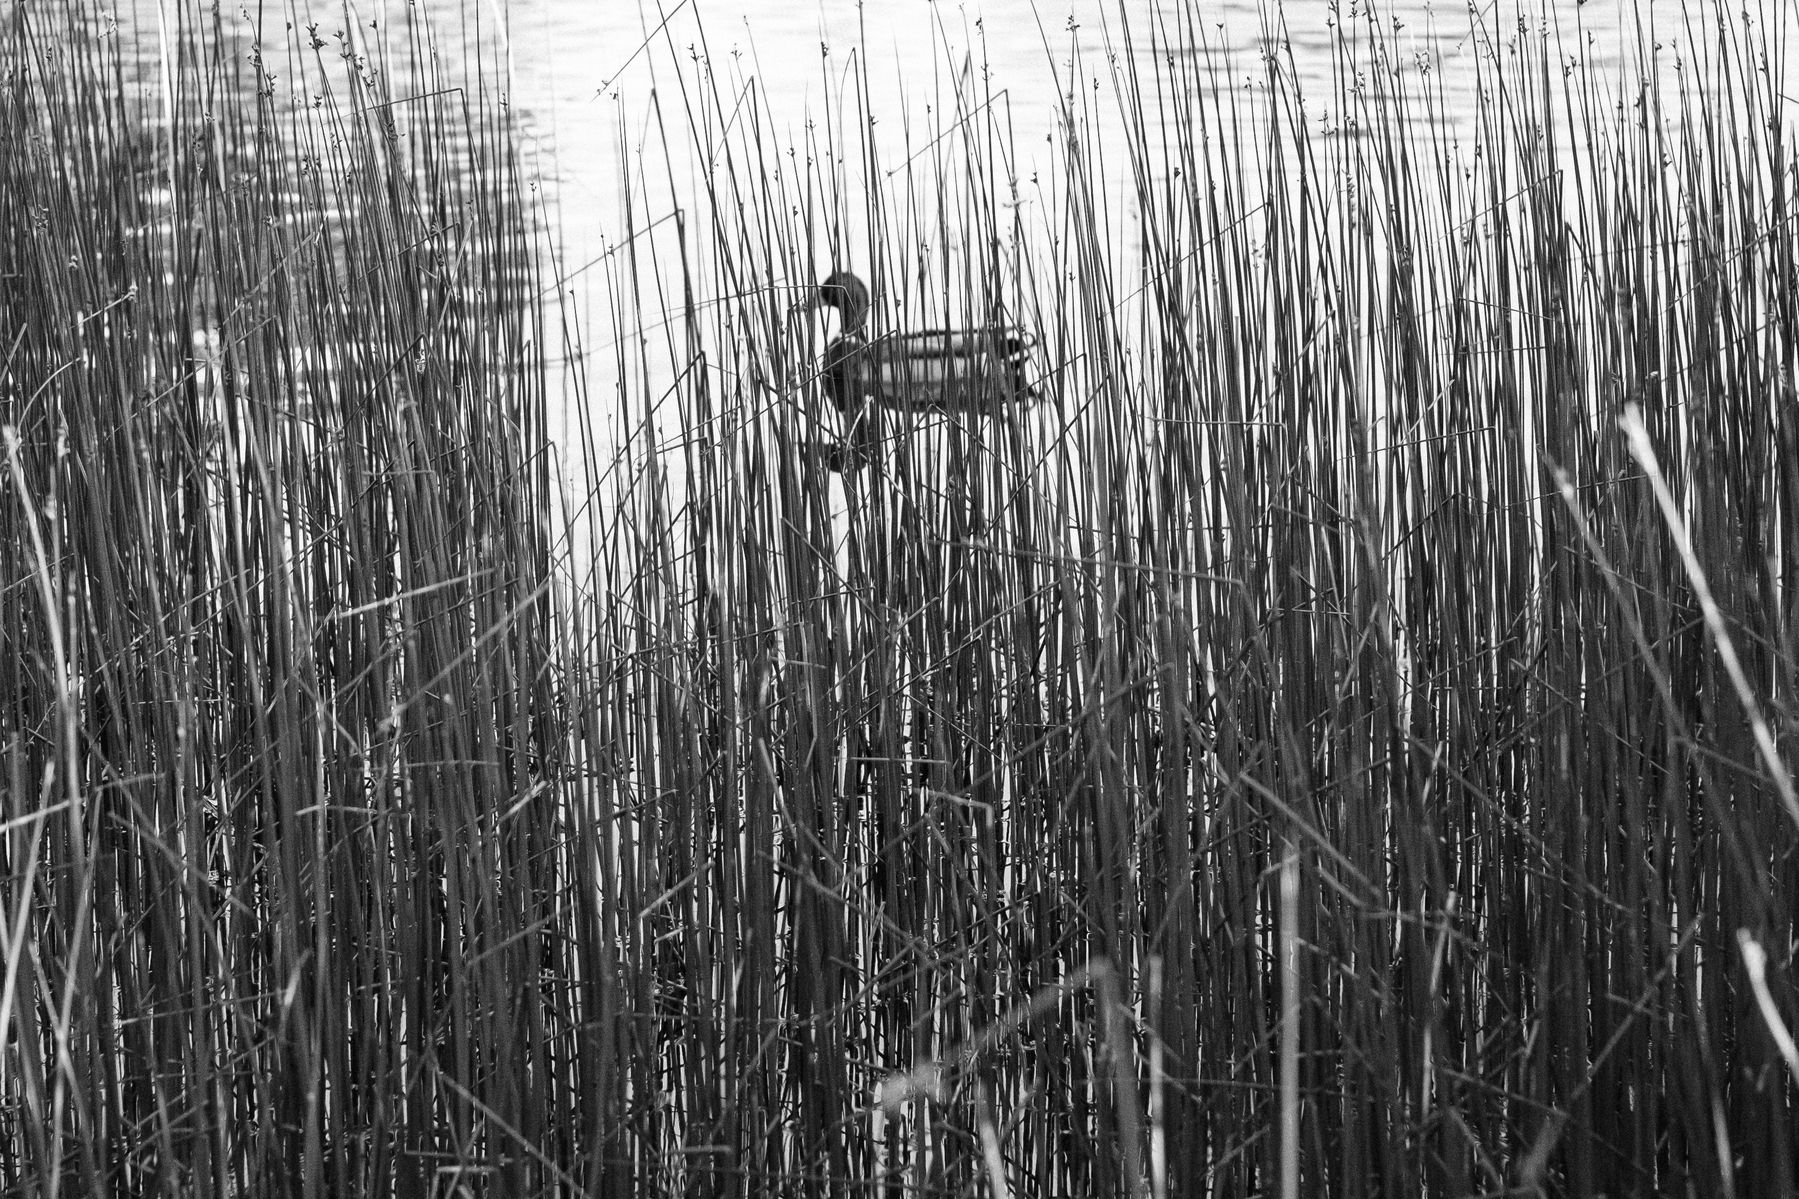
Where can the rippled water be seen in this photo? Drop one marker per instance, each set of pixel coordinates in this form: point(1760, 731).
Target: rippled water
point(598, 87)
point(584, 73)
point(593, 80)
point(585, 77)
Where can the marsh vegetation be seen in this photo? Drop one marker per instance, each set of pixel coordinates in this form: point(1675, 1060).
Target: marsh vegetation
point(1337, 741)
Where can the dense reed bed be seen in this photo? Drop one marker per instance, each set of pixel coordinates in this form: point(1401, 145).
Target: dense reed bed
point(280, 652)
point(1335, 741)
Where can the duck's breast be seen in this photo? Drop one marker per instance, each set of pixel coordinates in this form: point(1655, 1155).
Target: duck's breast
point(845, 372)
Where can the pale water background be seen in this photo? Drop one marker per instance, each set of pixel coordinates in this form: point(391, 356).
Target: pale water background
point(590, 83)
point(596, 88)
point(584, 73)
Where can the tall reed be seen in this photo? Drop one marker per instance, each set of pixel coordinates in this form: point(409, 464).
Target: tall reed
point(1335, 741)
point(281, 653)
point(1326, 548)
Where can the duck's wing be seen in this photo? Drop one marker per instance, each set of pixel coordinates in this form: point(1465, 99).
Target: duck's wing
point(954, 370)
point(985, 340)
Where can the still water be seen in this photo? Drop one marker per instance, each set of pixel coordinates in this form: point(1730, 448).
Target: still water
point(601, 90)
point(585, 75)
point(596, 85)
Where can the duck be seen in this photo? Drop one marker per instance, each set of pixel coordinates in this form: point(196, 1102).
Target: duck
point(977, 371)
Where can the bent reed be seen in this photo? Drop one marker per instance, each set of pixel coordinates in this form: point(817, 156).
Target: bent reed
point(1335, 740)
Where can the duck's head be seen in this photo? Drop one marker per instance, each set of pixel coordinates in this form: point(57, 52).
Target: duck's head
point(844, 292)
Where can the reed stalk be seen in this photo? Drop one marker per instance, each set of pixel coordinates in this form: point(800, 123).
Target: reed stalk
point(1335, 741)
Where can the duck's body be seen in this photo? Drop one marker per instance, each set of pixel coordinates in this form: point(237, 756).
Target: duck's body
point(966, 371)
